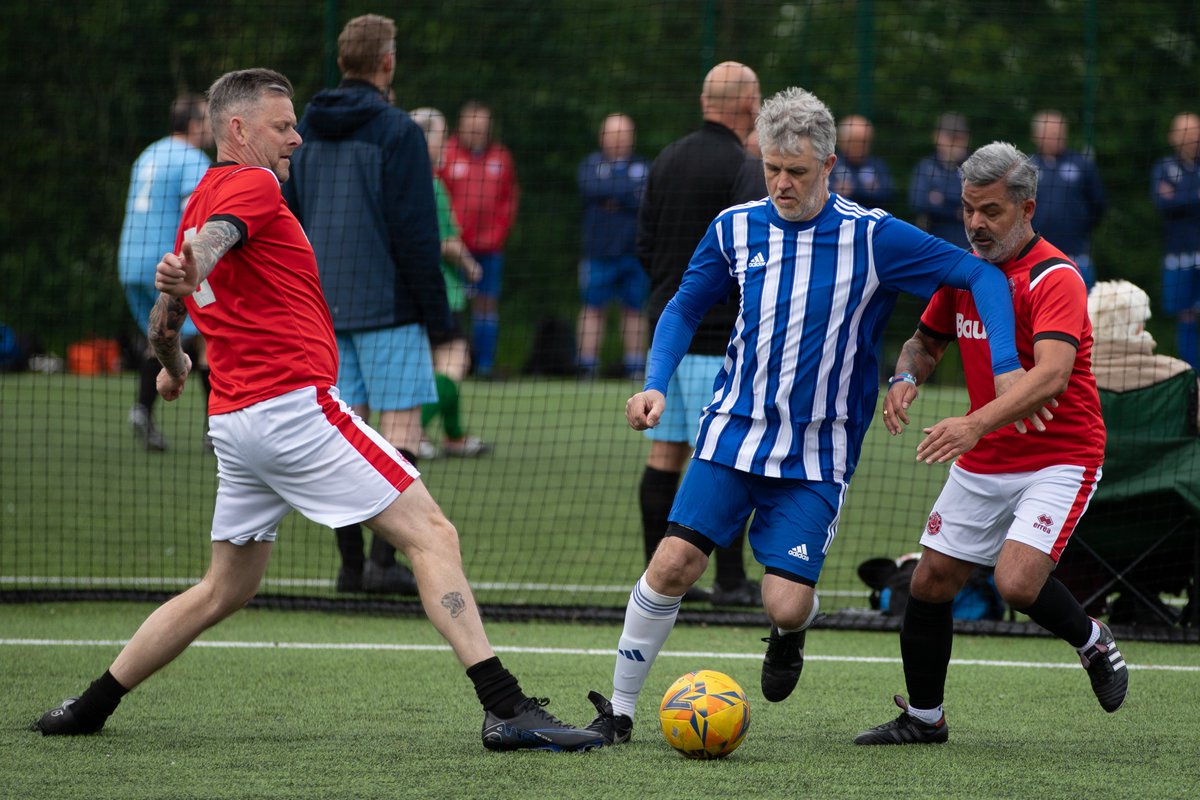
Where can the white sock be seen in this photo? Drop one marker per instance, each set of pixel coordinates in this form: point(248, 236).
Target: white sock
point(929, 716)
point(649, 618)
point(1095, 637)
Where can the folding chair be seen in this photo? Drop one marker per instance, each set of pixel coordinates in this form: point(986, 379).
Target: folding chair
point(1141, 534)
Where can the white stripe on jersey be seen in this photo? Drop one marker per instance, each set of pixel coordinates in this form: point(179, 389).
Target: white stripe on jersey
point(1054, 268)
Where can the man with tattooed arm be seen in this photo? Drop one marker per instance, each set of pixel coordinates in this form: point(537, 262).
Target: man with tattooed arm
point(247, 276)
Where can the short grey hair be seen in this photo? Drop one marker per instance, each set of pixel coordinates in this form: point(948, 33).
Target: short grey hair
point(792, 115)
point(1001, 160)
point(233, 91)
point(428, 118)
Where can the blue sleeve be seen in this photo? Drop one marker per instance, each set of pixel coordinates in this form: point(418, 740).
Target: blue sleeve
point(706, 282)
point(918, 188)
point(910, 260)
point(193, 172)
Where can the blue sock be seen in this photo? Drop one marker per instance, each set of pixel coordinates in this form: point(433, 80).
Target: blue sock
point(1186, 344)
point(486, 330)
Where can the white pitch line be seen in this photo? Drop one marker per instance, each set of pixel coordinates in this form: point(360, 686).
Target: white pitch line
point(41, 581)
point(562, 651)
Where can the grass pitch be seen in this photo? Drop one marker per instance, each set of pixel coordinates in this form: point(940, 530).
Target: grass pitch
point(308, 705)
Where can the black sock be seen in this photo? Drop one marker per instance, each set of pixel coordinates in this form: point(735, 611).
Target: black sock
point(656, 495)
point(496, 687)
point(350, 546)
point(1057, 610)
point(148, 382)
point(99, 700)
point(926, 637)
point(731, 569)
point(382, 552)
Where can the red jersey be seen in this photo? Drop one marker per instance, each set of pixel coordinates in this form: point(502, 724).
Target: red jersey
point(483, 193)
point(1049, 302)
point(261, 309)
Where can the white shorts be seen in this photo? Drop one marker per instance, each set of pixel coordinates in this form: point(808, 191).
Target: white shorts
point(976, 513)
point(305, 450)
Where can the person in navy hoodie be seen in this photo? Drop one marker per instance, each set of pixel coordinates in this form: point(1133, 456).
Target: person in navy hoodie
point(362, 187)
point(1175, 189)
point(934, 192)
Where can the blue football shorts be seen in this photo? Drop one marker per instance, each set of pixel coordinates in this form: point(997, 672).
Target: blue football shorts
point(621, 278)
point(794, 524)
point(390, 369)
point(690, 389)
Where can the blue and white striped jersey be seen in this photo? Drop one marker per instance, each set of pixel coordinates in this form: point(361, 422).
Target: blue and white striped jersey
point(801, 376)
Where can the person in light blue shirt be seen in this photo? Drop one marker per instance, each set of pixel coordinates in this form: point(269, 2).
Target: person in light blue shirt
point(162, 179)
point(1070, 197)
point(818, 277)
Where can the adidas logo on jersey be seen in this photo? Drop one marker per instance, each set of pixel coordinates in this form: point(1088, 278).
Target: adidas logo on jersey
point(757, 261)
point(800, 551)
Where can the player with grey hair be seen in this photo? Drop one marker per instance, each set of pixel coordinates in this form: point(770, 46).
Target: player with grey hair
point(818, 277)
point(1013, 497)
point(793, 117)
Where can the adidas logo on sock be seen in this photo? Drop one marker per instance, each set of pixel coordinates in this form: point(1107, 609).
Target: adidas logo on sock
point(757, 261)
point(800, 551)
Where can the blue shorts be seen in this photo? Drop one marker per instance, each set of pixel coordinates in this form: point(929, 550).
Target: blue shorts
point(794, 520)
point(1181, 282)
point(141, 298)
point(492, 265)
point(390, 369)
point(691, 388)
point(621, 278)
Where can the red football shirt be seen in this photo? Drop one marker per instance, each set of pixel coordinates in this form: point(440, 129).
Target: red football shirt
point(261, 309)
point(1049, 302)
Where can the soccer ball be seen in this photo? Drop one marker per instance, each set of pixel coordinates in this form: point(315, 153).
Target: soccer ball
point(705, 714)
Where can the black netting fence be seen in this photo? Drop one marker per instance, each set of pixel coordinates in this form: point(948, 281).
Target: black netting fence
point(549, 518)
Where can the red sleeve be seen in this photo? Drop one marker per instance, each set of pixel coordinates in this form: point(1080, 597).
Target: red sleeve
point(249, 199)
point(1058, 304)
point(506, 210)
point(938, 319)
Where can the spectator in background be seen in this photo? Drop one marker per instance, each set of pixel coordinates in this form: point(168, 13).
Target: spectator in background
point(1123, 357)
point(611, 181)
point(163, 178)
point(482, 181)
point(1070, 199)
point(362, 188)
point(1175, 189)
point(935, 192)
point(451, 351)
point(858, 175)
point(691, 181)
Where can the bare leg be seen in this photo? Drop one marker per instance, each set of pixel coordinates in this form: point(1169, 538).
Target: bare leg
point(416, 526)
point(230, 583)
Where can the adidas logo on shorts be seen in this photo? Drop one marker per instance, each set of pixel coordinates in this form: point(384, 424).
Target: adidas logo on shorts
point(800, 551)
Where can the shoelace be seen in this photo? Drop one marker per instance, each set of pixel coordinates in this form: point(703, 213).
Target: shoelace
point(537, 705)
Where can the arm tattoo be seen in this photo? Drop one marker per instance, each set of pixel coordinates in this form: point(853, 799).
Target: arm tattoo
point(454, 603)
point(166, 321)
point(214, 240)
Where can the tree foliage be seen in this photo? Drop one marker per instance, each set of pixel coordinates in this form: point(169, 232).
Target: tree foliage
point(88, 82)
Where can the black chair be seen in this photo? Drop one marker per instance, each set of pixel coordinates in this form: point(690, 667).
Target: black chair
point(1141, 534)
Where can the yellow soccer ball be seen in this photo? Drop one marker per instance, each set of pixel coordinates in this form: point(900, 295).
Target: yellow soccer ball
point(705, 714)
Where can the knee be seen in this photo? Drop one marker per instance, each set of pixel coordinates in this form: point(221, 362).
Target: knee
point(675, 567)
point(1018, 591)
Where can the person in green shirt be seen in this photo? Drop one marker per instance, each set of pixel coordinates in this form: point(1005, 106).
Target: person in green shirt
point(451, 352)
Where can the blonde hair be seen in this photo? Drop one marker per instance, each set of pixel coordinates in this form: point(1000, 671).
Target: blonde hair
point(1119, 310)
point(364, 42)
